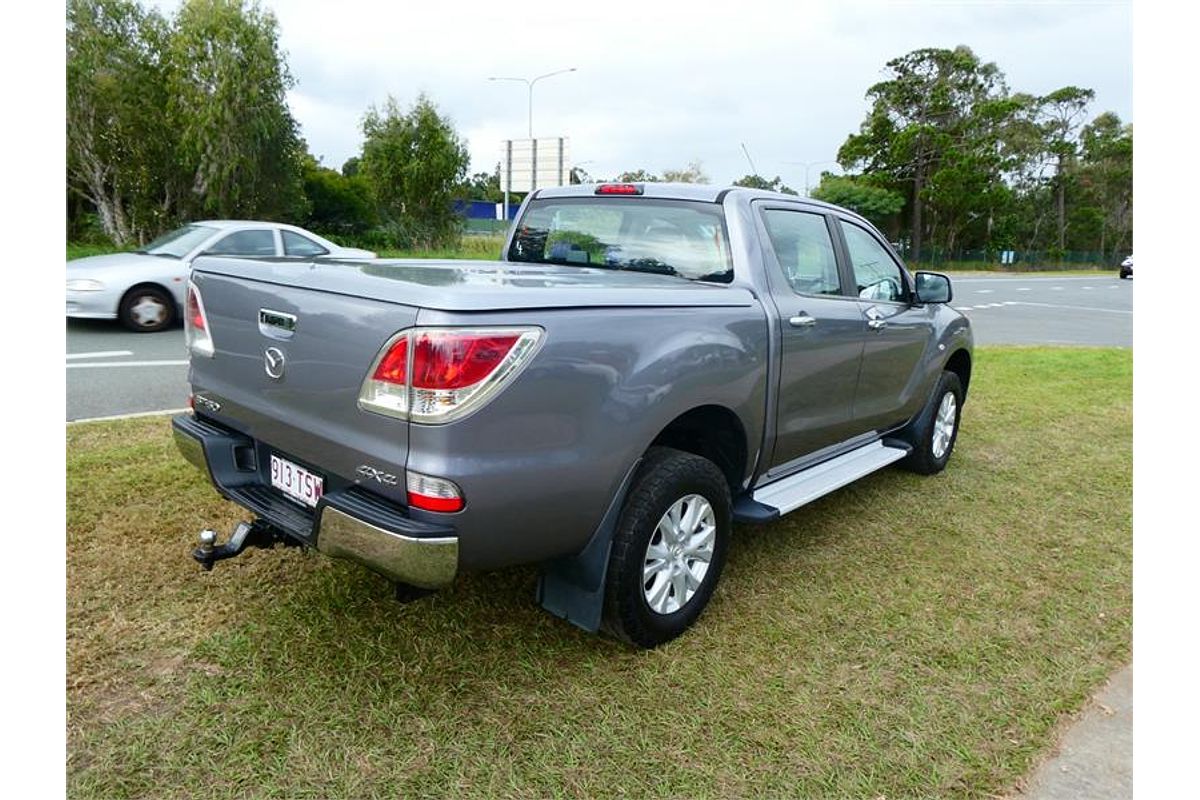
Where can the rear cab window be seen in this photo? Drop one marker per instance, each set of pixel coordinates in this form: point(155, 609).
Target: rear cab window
point(685, 238)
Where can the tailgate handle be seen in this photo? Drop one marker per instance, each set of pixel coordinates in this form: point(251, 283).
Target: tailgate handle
point(276, 324)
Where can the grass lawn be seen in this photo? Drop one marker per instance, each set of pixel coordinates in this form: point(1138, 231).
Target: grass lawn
point(905, 636)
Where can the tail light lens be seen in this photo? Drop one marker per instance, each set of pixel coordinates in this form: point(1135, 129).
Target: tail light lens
point(437, 375)
point(198, 336)
point(432, 494)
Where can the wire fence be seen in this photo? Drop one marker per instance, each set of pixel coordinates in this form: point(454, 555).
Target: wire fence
point(1014, 260)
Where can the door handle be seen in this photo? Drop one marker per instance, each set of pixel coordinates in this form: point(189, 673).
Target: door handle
point(802, 321)
point(877, 324)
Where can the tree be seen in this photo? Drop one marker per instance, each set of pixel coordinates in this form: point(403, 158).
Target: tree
point(759, 182)
point(917, 116)
point(414, 162)
point(121, 141)
point(873, 202)
point(338, 204)
point(1107, 169)
point(228, 81)
point(1062, 112)
point(637, 176)
point(692, 173)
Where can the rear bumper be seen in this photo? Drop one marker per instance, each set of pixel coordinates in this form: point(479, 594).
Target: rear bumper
point(347, 523)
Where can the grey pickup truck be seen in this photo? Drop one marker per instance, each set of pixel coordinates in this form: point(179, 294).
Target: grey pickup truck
point(645, 366)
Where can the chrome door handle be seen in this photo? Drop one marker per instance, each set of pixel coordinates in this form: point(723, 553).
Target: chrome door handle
point(877, 324)
point(802, 321)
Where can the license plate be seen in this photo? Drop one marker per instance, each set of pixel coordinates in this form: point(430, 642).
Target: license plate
point(295, 481)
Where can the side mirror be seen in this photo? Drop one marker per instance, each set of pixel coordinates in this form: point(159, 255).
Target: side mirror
point(933, 287)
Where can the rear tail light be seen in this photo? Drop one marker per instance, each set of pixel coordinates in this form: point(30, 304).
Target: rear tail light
point(199, 338)
point(432, 494)
point(437, 375)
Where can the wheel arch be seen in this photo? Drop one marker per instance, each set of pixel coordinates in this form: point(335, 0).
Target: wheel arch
point(960, 364)
point(710, 431)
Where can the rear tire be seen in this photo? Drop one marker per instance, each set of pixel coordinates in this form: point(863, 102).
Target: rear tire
point(668, 549)
point(147, 309)
point(933, 434)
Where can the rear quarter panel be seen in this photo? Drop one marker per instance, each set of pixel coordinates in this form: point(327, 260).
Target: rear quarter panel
point(542, 461)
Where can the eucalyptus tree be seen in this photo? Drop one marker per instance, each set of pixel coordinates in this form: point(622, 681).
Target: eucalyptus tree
point(919, 122)
point(120, 139)
point(415, 163)
point(228, 82)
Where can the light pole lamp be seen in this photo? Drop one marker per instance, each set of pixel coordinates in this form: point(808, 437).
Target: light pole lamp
point(530, 82)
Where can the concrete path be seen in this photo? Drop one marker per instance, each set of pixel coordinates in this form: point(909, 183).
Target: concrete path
point(1094, 760)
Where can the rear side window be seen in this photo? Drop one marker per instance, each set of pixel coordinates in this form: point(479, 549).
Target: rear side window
point(246, 243)
point(876, 275)
point(668, 237)
point(296, 245)
point(805, 251)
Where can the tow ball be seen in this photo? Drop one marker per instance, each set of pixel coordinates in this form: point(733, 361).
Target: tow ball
point(246, 534)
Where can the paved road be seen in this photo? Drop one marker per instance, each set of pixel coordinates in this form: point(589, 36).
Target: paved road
point(111, 371)
point(1013, 309)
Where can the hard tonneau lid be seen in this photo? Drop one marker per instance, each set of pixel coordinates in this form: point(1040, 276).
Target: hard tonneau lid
point(480, 285)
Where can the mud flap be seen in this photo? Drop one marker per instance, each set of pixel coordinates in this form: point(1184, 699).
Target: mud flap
point(573, 588)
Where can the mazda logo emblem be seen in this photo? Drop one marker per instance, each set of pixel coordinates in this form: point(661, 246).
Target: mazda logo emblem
point(273, 362)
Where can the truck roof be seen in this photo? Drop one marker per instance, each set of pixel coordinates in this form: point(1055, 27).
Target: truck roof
point(704, 192)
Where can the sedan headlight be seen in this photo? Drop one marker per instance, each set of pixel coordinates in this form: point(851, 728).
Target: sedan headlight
point(84, 285)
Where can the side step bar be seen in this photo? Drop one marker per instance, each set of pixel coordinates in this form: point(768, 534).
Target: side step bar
point(788, 494)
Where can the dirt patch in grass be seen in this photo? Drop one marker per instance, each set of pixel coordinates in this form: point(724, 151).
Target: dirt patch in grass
point(904, 636)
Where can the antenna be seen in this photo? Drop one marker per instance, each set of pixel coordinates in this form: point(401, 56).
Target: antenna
point(753, 170)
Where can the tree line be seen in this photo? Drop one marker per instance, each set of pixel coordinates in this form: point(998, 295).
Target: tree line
point(182, 118)
point(178, 118)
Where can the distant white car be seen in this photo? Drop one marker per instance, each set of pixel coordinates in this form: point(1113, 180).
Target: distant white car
point(146, 289)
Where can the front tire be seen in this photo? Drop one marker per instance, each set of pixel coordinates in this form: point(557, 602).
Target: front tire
point(935, 431)
point(146, 309)
point(669, 548)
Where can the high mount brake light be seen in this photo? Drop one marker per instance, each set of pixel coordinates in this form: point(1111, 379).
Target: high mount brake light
point(196, 332)
point(436, 375)
point(619, 188)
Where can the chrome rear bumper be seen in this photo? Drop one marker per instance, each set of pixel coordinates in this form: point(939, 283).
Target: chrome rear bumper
point(347, 523)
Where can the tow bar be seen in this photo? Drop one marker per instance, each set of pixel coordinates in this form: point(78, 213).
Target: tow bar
point(247, 534)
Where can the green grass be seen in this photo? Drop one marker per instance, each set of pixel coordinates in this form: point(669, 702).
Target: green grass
point(903, 637)
point(82, 250)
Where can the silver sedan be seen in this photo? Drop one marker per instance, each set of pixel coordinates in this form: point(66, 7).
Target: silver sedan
point(146, 289)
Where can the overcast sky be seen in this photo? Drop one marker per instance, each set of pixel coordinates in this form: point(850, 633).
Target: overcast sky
point(660, 84)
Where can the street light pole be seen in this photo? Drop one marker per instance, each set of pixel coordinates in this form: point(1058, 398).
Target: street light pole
point(808, 165)
point(529, 82)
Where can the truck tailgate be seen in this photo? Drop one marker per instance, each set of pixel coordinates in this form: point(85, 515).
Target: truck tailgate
point(307, 410)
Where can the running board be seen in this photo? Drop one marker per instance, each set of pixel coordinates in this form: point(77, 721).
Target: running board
point(788, 494)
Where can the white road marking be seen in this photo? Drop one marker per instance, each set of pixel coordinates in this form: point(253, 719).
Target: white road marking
point(1024, 289)
point(182, 363)
point(103, 354)
point(1056, 288)
point(984, 291)
point(1077, 308)
point(129, 416)
point(1011, 303)
point(963, 308)
point(1088, 288)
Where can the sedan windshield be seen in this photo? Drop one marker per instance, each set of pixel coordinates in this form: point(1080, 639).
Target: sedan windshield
point(179, 242)
point(668, 237)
